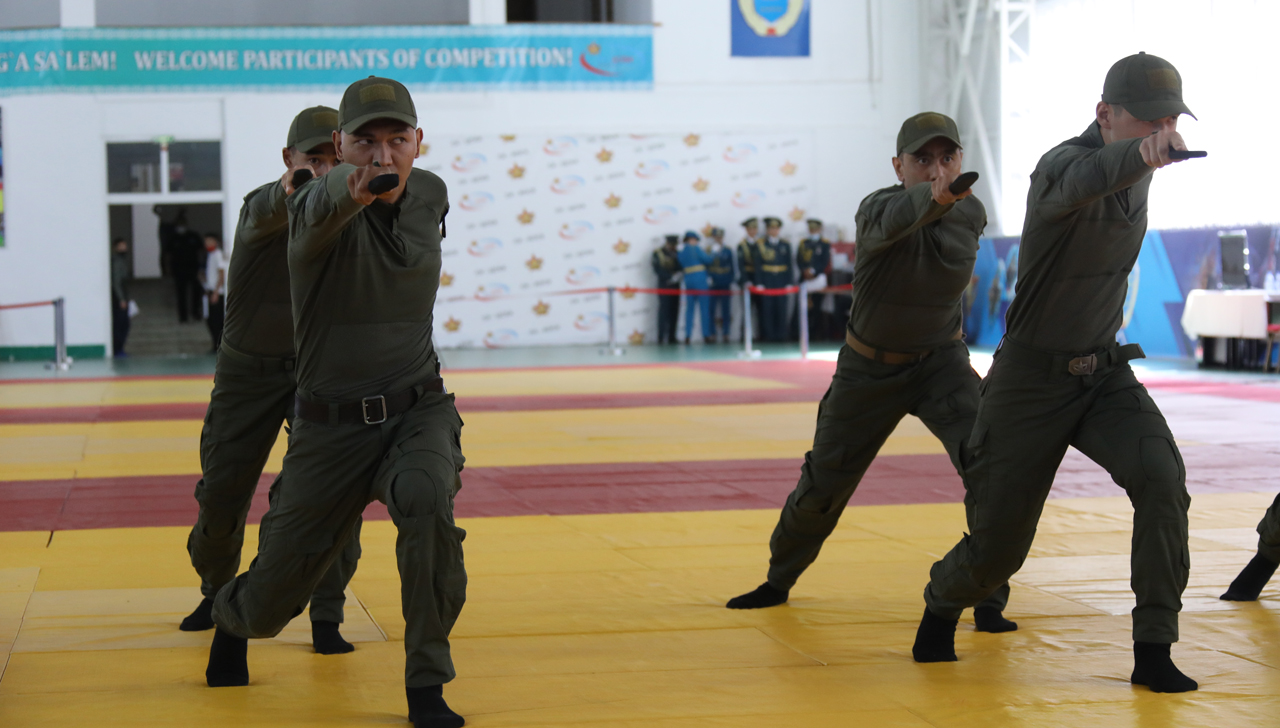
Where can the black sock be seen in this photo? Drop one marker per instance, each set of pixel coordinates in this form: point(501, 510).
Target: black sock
point(763, 596)
point(228, 661)
point(935, 639)
point(1153, 667)
point(1248, 585)
point(427, 708)
point(201, 619)
point(990, 619)
point(327, 640)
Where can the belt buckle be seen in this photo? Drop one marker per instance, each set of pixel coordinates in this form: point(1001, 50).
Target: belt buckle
point(382, 405)
point(1083, 366)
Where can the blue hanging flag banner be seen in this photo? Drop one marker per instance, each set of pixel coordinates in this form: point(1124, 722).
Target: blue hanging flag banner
point(432, 58)
point(769, 27)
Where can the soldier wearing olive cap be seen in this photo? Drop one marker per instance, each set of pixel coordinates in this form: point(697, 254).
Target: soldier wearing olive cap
point(1060, 379)
point(747, 269)
point(903, 353)
point(253, 388)
point(774, 269)
point(373, 421)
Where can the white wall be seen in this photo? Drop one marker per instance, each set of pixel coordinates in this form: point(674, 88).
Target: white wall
point(851, 94)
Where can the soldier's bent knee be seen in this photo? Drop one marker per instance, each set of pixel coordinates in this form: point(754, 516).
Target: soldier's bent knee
point(415, 494)
point(1160, 461)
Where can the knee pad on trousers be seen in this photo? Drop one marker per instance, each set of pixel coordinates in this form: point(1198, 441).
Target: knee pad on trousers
point(415, 494)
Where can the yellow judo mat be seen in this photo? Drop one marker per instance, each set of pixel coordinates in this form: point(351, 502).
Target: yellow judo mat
point(617, 620)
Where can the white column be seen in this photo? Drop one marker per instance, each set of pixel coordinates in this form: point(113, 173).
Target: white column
point(484, 12)
point(78, 13)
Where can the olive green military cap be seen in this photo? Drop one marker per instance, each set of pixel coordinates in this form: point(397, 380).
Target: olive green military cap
point(375, 98)
point(312, 127)
point(751, 221)
point(773, 221)
point(919, 129)
point(1148, 86)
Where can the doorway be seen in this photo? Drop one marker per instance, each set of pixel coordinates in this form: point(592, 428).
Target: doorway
point(164, 218)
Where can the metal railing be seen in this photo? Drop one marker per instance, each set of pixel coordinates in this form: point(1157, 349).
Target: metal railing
point(61, 361)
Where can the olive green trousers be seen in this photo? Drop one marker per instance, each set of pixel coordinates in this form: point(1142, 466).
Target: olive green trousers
point(411, 463)
point(863, 405)
point(1028, 417)
point(1269, 533)
point(251, 398)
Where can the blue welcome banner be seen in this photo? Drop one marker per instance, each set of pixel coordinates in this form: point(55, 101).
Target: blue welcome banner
point(441, 58)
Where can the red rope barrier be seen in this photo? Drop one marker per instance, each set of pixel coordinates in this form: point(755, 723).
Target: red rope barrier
point(628, 292)
point(33, 304)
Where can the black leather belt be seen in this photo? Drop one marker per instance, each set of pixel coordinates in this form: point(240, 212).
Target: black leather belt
point(264, 364)
point(1078, 365)
point(368, 411)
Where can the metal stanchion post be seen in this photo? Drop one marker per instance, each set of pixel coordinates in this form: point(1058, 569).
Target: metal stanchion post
point(614, 349)
point(803, 312)
point(61, 361)
point(747, 352)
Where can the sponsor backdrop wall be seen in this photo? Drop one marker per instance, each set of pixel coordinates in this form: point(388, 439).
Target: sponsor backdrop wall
point(537, 218)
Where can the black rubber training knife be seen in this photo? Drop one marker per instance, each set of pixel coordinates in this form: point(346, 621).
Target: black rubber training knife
point(300, 177)
point(963, 182)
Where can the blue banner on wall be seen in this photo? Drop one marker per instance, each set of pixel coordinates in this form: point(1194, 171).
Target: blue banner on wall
point(438, 58)
point(769, 27)
point(1170, 264)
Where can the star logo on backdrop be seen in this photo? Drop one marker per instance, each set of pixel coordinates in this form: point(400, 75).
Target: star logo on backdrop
point(541, 308)
point(636, 338)
point(612, 201)
point(787, 169)
point(701, 185)
point(593, 49)
point(621, 247)
point(446, 280)
point(627, 292)
point(508, 137)
point(706, 230)
point(604, 155)
point(423, 149)
point(516, 171)
point(692, 140)
point(452, 324)
point(796, 214)
point(525, 217)
point(533, 263)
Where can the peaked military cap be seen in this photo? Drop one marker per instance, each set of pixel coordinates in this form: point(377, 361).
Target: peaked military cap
point(772, 221)
point(751, 221)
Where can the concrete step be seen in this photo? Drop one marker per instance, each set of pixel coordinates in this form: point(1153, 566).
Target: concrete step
point(156, 331)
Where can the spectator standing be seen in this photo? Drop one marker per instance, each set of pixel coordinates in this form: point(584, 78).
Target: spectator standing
point(693, 263)
point(773, 264)
point(121, 272)
point(666, 266)
point(720, 271)
point(215, 286)
point(185, 249)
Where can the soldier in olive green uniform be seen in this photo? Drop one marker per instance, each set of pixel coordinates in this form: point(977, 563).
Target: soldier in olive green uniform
point(917, 244)
point(254, 387)
point(773, 264)
point(373, 420)
point(1248, 585)
point(1059, 379)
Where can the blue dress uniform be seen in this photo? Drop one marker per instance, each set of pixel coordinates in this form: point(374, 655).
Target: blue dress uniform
point(693, 262)
point(721, 272)
point(772, 258)
point(666, 266)
point(813, 258)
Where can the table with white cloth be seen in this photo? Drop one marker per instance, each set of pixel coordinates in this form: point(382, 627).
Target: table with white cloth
point(1232, 325)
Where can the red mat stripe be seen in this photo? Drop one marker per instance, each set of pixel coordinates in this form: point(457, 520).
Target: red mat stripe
point(49, 505)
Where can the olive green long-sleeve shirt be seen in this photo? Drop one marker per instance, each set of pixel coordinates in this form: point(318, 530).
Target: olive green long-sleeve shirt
point(364, 283)
point(1086, 217)
point(259, 316)
point(915, 259)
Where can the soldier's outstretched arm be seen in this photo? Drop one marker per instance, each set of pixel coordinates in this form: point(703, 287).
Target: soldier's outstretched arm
point(1069, 178)
point(263, 215)
point(890, 215)
point(319, 212)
